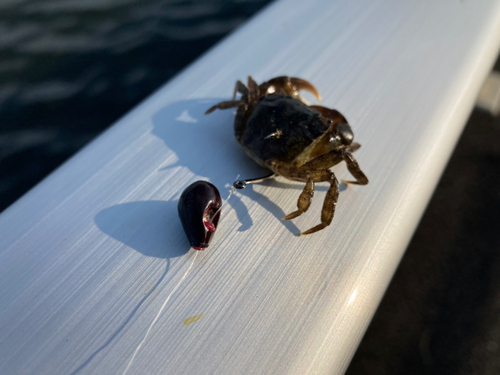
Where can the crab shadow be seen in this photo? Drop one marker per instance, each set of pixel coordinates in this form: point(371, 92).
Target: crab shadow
point(207, 147)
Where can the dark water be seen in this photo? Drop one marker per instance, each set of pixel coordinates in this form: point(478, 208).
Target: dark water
point(69, 68)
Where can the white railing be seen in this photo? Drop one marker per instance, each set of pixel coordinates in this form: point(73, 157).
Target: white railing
point(90, 255)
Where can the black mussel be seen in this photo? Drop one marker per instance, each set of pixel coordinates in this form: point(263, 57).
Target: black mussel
point(199, 212)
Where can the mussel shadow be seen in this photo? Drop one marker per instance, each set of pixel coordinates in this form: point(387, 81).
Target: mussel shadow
point(149, 227)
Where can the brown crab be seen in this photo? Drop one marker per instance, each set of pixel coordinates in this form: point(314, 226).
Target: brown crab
point(297, 141)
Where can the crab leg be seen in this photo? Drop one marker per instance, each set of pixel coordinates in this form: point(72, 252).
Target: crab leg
point(240, 87)
point(354, 146)
point(329, 204)
point(239, 121)
point(253, 91)
point(353, 167)
point(316, 175)
point(304, 200)
point(324, 161)
point(335, 157)
point(225, 105)
point(290, 85)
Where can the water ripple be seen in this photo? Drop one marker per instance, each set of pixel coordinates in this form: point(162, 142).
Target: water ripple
point(69, 68)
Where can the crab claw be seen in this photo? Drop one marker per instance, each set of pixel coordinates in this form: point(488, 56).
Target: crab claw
point(199, 212)
point(291, 86)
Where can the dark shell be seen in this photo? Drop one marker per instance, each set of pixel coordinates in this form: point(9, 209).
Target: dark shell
point(199, 213)
point(298, 124)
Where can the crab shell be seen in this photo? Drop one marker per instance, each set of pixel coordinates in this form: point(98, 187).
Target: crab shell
point(282, 127)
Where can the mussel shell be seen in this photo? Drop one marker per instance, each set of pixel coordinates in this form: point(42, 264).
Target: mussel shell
point(199, 203)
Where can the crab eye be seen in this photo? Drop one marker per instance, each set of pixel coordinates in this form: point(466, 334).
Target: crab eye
point(345, 132)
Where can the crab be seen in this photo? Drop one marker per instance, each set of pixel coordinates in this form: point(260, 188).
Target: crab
point(297, 141)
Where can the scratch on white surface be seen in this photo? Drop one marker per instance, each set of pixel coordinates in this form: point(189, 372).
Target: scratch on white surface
point(159, 313)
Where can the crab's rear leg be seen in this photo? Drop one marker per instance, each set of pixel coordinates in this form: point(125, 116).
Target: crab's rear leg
point(240, 87)
point(253, 91)
point(225, 105)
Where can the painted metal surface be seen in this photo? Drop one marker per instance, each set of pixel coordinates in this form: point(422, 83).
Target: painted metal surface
point(90, 255)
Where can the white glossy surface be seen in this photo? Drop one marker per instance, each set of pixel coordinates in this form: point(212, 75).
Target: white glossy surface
point(88, 257)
